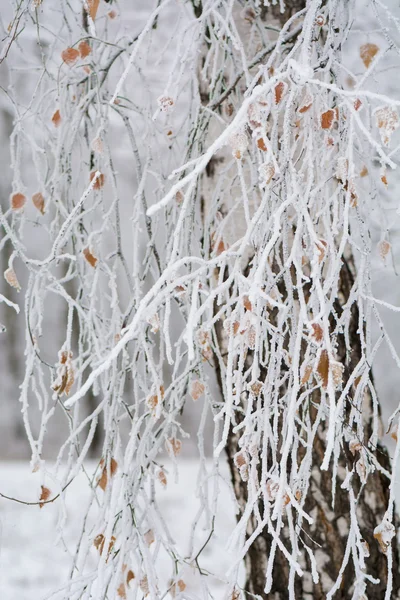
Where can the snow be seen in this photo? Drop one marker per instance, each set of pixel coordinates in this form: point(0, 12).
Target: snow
point(33, 565)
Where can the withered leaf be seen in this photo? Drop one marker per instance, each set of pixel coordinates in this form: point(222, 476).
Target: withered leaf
point(11, 278)
point(368, 53)
point(84, 49)
point(384, 248)
point(45, 495)
point(323, 368)
point(261, 144)
point(56, 118)
point(93, 6)
point(18, 201)
point(70, 55)
point(90, 257)
point(38, 202)
point(279, 91)
point(104, 475)
point(129, 576)
point(99, 181)
point(327, 119)
point(197, 389)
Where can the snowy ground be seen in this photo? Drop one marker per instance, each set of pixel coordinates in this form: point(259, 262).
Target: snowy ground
point(32, 565)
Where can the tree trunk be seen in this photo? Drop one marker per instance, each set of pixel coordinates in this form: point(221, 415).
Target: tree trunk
point(329, 532)
point(331, 526)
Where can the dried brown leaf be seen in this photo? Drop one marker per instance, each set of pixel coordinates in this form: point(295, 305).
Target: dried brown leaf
point(84, 49)
point(130, 576)
point(104, 475)
point(98, 184)
point(368, 53)
point(38, 202)
point(327, 119)
point(323, 368)
point(18, 201)
point(45, 495)
point(279, 91)
point(196, 389)
point(56, 118)
point(90, 257)
point(11, 278)
point(384, 249)
point(70, 56)
point(261, 145)
point(173, 446)
point(93, 6)
point(317, 333)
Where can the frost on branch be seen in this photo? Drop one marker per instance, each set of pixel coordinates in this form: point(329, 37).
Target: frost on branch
point(210, 247)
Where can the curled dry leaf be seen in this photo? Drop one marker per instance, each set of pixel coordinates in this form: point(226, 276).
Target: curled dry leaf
point(130, 576)
point(256, 388)
point(144, 586)
point(327, 119)
point(323, 368)
point(235, 594)
point(90, 257)
point(272, 488)
point(317, 332)
point(104, 475)
point(154, 322)
point(368, 53)
point(306, 374)
point(56, 118)
point(267, 171)
point(176, 587)
point(279, 91)
point(149, 537)
point(97, 145)
point(384, 249)
point(173, 446)
point(239, 143)
point(247, 303)
point(65, 374)
point(38, 202)
point(387, 121)
point(84, 49)
point(11, 278)
point(355, 446)
point(162, 478)
point(261, 144)
point(98, 184)
point(384, 533)
point(165, 103)
point(93, 6)
point(197, 389)
point(336, 369)
point(17, 202)
point(98, 543)
point(44, 495)
point(70, 56)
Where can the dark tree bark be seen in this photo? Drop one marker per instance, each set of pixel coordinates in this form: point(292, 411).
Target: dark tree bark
point(329, 532)
point(331, 525)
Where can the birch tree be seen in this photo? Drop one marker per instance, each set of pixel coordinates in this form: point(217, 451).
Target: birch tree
point(202, 183)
